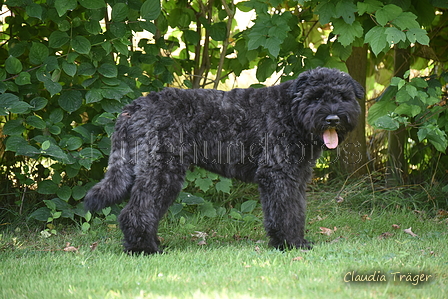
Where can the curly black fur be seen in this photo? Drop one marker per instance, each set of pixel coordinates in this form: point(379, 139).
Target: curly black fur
point(271, 136)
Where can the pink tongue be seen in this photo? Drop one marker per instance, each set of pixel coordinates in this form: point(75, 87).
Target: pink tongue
point(331, 138)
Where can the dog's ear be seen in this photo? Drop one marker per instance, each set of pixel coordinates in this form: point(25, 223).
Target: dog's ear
point(359, 90)
point(300, 83)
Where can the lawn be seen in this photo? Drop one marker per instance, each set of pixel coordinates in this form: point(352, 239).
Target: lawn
point(225, 258)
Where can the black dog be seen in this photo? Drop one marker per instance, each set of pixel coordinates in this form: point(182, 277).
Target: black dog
point(271, 136)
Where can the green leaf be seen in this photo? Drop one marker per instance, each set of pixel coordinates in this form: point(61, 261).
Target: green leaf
point(325, 10)
point(278, 29)
point(256, 39)
point(218, 31)
point(340, 51)
point(438, 139)
point(243, 7)
point(248, 206)
point(20, 146)
point(207, 209)
point(121, 48)
point(119, 12)
point(16, 49)
point(235, 214)
point(54, 129)
point(346, 9)
point(45, 145)
point(104, 118)
point(63, 206)
point(118, 29)
point(56, 115)
point(434, 135)
point(379, 109)
point(419, 82)
point(70, 100)
point(13, 65)
point(272, 43)
point(176, 208)
point(41, 214)
point(36, 122)
point(56, 177)
point(386, 123)
point(85, 227)
point(34, 10)
point(81, 44)
point(411, 90)
point(91, 154)
point(64, 25)
point(92, 4)
point(406, 20)
point(38, 53)
point(181, 17)
point(92, 26)
point(38, 103)
point(13, 127)
point(19, 107)
point(266, 67)
point(108, 70)
point(422, 133)
point(425, 11)
point(191, 36)
point(376, 37)
point(64, 193)
point(204, 184)
point(23, 78)
point(346, 32)
point(387, 13)
point(224, 185)
point(409, 110)
point(93, 96)
point(47, 187)
point(368, 6)
point(418, 35)
point(6, 101)
point(86, 69)
point(10, 103)
point(87, 131)
point(397, 81)
point(72, 170)
point(106, 211)
point(189, 199)
point(69, 68)
point(192, 175)
point(62, 6)
point(148, 26)
point(150, 9)
point(52, 87)
point(78, 192)
point(394, 36)
point(57, 39)
point(57, 153)
point(115, 92)
point(402, 96)
point(74, 143)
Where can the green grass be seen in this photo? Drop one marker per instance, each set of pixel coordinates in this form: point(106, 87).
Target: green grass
point(236, 261)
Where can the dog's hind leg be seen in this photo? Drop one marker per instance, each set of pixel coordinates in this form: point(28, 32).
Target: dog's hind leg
point(154, 190)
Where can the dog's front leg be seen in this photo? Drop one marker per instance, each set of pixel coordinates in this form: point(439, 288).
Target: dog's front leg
point(284, 204)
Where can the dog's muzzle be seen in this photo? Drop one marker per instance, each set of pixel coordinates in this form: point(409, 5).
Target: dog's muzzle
point(330, 136)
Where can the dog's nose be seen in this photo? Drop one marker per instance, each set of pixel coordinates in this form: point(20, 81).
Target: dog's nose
point(332, 120)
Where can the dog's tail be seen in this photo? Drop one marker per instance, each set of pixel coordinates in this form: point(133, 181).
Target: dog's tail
point(119, 177)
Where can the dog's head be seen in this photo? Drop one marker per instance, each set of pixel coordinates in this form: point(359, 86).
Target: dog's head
point(325, 104)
